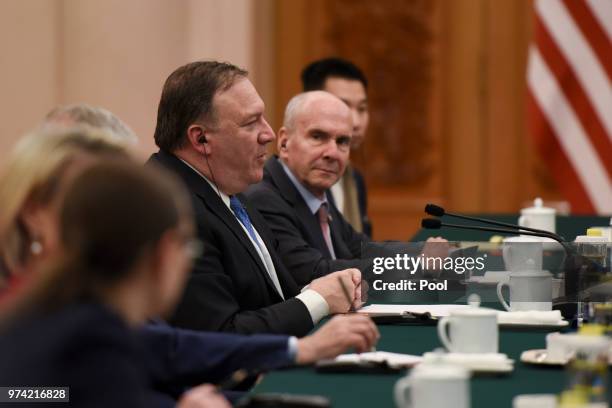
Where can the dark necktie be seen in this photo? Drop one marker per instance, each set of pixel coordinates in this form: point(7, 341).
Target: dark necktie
point(324, 222)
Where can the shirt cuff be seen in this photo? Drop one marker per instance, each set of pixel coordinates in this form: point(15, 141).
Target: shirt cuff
point(292, 348)
point(315, 303)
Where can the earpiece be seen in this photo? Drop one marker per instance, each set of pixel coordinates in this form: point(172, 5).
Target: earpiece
point(202, 139)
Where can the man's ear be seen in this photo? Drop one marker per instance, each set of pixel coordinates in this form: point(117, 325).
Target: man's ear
point(196, 134)
point(282, 139)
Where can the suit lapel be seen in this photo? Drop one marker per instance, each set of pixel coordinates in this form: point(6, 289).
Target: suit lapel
point(292, 195)
point(285, 279)
point(215, 204)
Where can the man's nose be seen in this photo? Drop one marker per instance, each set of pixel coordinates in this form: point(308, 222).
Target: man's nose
point(267, 134)
point(332, 152)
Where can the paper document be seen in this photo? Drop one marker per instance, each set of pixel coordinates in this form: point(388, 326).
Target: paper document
point(392, 359)
point(385, 310)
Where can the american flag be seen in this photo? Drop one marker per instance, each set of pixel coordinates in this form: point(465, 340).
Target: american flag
point(569, 78)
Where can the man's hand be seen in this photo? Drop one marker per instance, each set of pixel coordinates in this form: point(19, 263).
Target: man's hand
point(435, 247)
point(337, 336)
point(203, 396)
point(331, 288)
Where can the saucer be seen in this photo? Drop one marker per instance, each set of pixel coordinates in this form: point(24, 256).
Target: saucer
point(540, 357)
point(496, 363)
point(531, 319)
point(491, 278)
point(534, 325)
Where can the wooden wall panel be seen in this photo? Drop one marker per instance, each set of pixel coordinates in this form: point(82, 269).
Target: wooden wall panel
point(462, 102)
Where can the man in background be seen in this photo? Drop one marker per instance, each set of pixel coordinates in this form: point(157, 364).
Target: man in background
point(314, 145)
point(345, 80)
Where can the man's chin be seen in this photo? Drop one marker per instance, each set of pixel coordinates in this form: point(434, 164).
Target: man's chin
point(325, 184)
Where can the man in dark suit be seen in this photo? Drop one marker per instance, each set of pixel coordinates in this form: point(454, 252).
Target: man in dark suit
point(314, 145)
point(211, 132)
point(314, 238)
point(345, 80)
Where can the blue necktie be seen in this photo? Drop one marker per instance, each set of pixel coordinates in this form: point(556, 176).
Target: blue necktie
point(243, 217)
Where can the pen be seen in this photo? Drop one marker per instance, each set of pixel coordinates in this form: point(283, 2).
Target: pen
point(233, 380)
point(348, 297)
point(346, 294)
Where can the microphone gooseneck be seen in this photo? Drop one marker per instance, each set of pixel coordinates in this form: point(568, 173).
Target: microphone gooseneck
point(434, 223)
point(438, 211)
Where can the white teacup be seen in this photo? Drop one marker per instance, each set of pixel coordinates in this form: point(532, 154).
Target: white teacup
point(562, 347)
point(522, 253)
point(538, 216)
point(589, 347)
point(472, 330)
point(434, 385)
point(556, 347)
point(528, 291)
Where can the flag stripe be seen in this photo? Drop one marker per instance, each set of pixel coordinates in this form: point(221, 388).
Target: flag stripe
point(579, 101)
point(557, 161)
point(602, 10)
point(594, 33)
point(580, 57)
point(570, 133)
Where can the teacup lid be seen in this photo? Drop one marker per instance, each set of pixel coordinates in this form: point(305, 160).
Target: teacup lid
point(440, 371)
point(591, 239)
point(538, 208)
point(473, 312)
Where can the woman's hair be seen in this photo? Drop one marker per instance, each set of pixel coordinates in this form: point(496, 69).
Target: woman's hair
point(94, 116)
point(32, 174)
point(112, 215)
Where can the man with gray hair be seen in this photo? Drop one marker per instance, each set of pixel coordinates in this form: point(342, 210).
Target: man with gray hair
point(294, 198)
point(314, 145)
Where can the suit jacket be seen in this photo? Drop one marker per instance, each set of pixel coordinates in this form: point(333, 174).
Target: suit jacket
point(85, 347)
point(229, 288)
point(301, 243)
point(180, 358)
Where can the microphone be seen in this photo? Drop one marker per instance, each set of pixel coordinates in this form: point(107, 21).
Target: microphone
point(438, 211)
point(434, 223)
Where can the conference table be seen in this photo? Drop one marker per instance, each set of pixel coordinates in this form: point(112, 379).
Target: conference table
point(376, 390)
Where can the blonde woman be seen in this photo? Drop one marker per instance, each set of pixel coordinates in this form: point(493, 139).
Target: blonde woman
point(30, 192)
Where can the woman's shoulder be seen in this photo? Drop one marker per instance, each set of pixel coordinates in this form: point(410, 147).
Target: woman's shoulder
point(85, 347)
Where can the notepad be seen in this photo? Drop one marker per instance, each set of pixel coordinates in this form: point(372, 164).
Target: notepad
point(392, 359)
point(390, 310)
